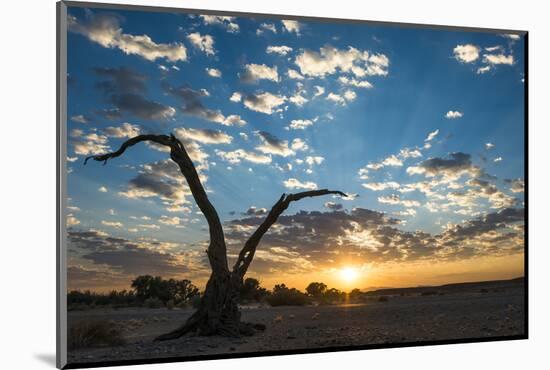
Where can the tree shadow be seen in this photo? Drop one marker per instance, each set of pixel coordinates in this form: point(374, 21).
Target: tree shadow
point(47, 358)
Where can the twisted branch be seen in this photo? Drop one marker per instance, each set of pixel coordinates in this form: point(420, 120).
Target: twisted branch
point(216, 251)
point(247, 253)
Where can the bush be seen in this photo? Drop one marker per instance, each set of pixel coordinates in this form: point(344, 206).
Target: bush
point(283, 296)
point(87, 334)
point(383, 299)
point(153, 303)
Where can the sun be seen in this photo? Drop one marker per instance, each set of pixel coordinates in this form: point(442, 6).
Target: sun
point(349, 274)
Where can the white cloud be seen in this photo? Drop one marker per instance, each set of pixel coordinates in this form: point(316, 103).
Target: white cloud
point(88, 144)
point(240, 154)
point(294, 74)
point(350, 95)
point(106, 31)
point(205, 43)
point(205, 136)
point(511, 36)
point(263, 102)
point(264, 27)
point(255, 72)
point(172, 221)
point(233, 120)
point(213, 72)
point(291, 26)
point(336, 98)
point(353, 82)
point(293, 183)
point(394, 199)
point(378, 186)
point(300, 124)
point(299, 145)
point(314, 160)
point(410, 153)
point(329, 60)
point(281, 50)
point(72, 220)
point(125, 130)
point(482, 70)
point(497, 159)
point(392, 160)
point(236, 97)
point(149, 226)
point(79, 118)
point(432, 135)
point(115, 224)
point(467, 53)
point(319, 90)
point(498, 59)
point(489, 146)
point(228, 22)
point(298, 99)
point(407, 212)
point(453, 114)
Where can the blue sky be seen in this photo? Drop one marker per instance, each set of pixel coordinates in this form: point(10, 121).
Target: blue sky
point(424, 127)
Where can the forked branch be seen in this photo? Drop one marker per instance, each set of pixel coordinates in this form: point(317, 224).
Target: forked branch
point(247, 253)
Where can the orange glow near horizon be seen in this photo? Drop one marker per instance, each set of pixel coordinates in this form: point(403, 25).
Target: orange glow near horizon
point(369, 276)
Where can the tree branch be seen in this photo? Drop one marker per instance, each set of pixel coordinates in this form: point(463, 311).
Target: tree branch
point(247, 253)
point(216, 251)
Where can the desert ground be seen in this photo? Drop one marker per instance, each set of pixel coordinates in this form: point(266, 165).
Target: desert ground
point(407, 315)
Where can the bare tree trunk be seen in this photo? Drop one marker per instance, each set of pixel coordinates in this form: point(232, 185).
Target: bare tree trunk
point(218, 312)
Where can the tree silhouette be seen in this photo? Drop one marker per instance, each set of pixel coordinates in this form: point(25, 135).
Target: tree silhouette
point(218, 312)
point(316, 289)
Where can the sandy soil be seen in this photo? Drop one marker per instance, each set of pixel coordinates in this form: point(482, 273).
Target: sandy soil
point(401, 319)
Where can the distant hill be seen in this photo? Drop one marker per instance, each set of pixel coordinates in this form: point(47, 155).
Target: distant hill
point(452, 288)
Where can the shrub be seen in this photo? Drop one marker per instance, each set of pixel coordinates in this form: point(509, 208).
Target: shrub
point(153, 303)
point(383, 299)
point(283, 296)
point(87, 334)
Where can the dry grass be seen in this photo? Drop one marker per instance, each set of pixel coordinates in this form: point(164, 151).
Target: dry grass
point(87, 334)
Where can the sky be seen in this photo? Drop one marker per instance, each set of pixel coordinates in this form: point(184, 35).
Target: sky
point(422, 128)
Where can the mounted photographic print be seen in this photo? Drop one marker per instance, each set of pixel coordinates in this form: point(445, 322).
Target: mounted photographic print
point(235, 185)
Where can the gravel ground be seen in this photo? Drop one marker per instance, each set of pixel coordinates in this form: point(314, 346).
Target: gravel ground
point(401, 319)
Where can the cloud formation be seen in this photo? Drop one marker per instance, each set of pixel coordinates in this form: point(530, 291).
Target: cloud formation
point(204, 136)
point(191, 104)
point(263, 102)
point(467, 53)
point(105, 30)
point(227, 22)
point(204, 43)
point(273, 145)
point(293, 183)
point(124, 88)
point(329, 60)
point(255, 72)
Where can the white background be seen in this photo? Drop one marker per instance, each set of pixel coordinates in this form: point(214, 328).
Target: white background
point(27, 165)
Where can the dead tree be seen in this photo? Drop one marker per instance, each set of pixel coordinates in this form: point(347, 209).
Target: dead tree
point(218, 313)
